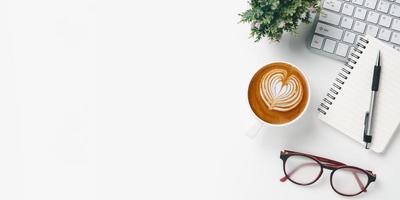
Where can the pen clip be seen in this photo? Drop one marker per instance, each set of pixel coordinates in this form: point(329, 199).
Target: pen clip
point(367, 138)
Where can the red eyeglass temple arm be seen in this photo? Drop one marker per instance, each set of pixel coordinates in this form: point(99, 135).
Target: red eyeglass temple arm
point(360, 184)
point(321, 159)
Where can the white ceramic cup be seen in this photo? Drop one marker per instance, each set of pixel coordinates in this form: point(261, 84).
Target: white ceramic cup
point(256, 128)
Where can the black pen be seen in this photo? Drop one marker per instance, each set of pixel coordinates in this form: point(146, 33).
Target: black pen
point(370, 113)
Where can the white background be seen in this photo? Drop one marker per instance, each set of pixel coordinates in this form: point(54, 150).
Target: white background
point(147, 100)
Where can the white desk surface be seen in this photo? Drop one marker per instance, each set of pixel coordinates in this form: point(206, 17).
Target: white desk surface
point(147, 100)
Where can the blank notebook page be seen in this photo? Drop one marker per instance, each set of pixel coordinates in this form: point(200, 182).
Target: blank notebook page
point(348, 110)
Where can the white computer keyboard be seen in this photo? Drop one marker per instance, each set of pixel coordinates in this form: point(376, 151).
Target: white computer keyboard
point(339, 24)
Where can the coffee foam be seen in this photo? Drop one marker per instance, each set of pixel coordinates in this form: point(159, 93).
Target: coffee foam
point(279, 91)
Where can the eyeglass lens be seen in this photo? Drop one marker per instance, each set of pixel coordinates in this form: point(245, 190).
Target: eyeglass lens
point(302, 170)
point(349, 181)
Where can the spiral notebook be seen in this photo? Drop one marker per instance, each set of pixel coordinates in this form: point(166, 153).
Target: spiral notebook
point(348, 99)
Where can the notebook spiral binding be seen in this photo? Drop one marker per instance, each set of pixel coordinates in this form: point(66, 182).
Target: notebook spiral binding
point(342, 76)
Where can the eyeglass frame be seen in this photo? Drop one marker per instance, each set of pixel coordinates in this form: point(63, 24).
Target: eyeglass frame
point(330, 164)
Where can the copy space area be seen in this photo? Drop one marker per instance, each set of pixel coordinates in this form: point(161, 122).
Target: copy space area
point(148, 100)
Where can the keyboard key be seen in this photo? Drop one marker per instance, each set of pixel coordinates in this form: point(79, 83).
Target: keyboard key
point(329, 31)
point(397, 1)
point(373, 17)
point(383, 6)
point(372, 30)
point(349, 37)
point(395, 38)
point(342, 49)
point(359, 27)
point(384, 34)
point(348, 9)
point(385, 20)
point(317, 41)
point(329, 17)
point(396, 24)
point(347, 22)
point(359, 2)
point(329, 45)
point(370, 3)
point(395, 10)
point(396, 47)
point(360, 13)
point(332, 5)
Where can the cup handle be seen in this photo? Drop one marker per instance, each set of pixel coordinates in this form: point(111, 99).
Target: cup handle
point(254, 130)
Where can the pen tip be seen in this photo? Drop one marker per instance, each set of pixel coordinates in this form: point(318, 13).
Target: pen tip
point(378, 59)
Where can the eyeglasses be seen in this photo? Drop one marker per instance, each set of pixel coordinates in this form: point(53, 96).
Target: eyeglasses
point(306, 169)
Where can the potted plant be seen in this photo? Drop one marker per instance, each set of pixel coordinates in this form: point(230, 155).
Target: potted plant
point(271, 18)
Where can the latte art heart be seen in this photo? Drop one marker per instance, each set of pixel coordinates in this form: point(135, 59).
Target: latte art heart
point(280, 92)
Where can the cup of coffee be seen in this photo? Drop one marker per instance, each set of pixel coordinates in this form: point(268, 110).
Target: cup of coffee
point(279, 94)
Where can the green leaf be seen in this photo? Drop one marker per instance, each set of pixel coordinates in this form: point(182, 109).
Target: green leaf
point(271, 18)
